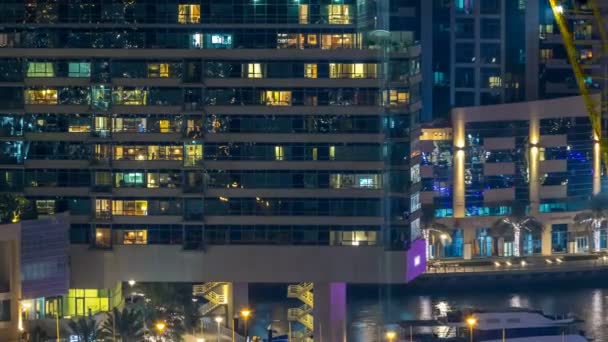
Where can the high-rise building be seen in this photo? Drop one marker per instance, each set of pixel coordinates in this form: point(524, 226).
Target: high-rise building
point(499, 51)
point(283, 132)
point(535, 158)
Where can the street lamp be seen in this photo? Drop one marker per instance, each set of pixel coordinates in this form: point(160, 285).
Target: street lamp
point(246, 313)
point(218, 320)
point(131, 282)
point(160, 327)
point(390, 336)
point(471, 321)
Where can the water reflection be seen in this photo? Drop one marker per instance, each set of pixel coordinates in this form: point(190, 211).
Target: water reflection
point(587, 304)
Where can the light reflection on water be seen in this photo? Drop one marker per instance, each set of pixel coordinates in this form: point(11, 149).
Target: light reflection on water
point(367, 317)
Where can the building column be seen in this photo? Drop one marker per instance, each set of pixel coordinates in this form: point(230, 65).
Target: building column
point(469, 240)
point(546, 247)
point(597, 168)
point(238, 300)
point(533, 160)
point(459, 143)
point(329, 312)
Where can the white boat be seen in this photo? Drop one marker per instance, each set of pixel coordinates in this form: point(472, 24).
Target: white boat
point(515, 325)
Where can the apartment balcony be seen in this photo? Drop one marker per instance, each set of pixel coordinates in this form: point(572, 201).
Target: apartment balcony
point(149, 109)
point(498, 195)
point(427, 197)
point(553, 191)
point(294, 82)
point(57, 81)
point(56, 108)
point(147, 192)
point(52, 191)
point(289, 220)
point(497, 169)
point(295, 137)
point(56, 164)
point(147, 82)
point(427, 171)
point(211, 54)
point(147, 164)
point(148, 219)
point(547, 166)
point(507, 143)
point(294, 193)
point(293, 165)
point(56, 136)
point(561, 88)
point(291, 110)
point(146, 137)
point(554, 140)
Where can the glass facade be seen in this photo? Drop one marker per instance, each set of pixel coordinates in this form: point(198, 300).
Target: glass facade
point(167, 136)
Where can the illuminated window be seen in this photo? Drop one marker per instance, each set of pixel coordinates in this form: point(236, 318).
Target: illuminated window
point(83, 302)
point(129, 179)
point(332, 152)
point(130, 97)
point(494, 82)
point(337, 41)
point(103, 237)
point(41, 96)
point(253, 70)
point(353, 70)
point(103, 208)
point(279, 153)
point(45, 207)
point(310, 70)
point(40, 69)
point(398, 97)
point(546, 54)
point(218, 40)
point(338, 14)
point(276, 98)
point(303, 14)
point(135, 237)
point(79, 69)
point(357, 181)
point(354, 238)
point(189, 14)
point(130, 207)
point(156, 70)
point(194, 154)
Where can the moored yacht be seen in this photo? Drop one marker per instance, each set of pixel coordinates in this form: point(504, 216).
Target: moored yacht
point(512, 325)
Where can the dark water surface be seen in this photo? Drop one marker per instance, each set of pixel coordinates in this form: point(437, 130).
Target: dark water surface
point(588, 304)
point(370, 309)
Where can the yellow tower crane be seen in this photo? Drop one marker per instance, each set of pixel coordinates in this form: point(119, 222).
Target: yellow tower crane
point(594, 109)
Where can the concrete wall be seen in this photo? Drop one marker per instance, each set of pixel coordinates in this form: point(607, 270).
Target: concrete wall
point(10, 278)
point(250, 264)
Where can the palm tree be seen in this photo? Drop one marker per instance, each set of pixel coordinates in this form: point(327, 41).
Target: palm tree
point(593, 219)
point(514, 225)
point(435, 232)
point(86, 328)
point(126, 325)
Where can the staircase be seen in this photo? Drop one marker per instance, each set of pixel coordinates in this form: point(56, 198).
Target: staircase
point(214, 293)
point(303, 313)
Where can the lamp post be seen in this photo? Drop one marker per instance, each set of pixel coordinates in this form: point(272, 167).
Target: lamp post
point(471, 322)
point(218, 320)
point(391, 335)
point(160, 327)
point(246, 313)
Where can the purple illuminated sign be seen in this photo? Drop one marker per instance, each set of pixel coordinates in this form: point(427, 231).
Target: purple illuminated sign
point(416, 260)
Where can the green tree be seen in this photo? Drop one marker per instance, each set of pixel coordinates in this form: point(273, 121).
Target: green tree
point(14, 208)
point(125, 325)
point(86, 328)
